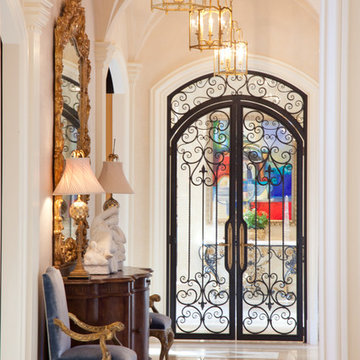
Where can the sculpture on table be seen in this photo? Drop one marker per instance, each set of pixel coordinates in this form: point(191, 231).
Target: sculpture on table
point(106, 251)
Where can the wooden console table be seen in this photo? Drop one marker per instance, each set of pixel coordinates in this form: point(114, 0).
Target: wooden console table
point(123, 296)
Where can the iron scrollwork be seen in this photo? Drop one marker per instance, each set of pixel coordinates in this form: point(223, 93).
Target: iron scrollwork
point(269, 298)
point(266, 118)
point(212, 255)
point(202, 296)
point(70, 116)
point(201, 303)
point(256, 85)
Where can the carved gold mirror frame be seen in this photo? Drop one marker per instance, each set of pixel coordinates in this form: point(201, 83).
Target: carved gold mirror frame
point(69, 29)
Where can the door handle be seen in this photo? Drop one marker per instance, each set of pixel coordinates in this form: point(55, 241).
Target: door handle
point(229, 257)
point(242, 246)
point(229, 246)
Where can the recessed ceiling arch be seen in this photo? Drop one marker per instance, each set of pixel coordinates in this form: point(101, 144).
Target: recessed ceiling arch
point(131, 23)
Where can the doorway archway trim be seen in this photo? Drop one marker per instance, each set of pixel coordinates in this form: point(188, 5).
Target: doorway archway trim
point(158, 161)
point(19, 269)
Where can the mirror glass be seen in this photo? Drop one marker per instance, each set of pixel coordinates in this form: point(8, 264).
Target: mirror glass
point(70, 89)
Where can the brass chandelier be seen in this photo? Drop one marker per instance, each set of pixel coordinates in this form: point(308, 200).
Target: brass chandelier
point(177, 5)
point(233, 59)
point(210, 27)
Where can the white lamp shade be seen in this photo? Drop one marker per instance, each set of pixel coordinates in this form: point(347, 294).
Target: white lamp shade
point(78, 179)
point(113, 180)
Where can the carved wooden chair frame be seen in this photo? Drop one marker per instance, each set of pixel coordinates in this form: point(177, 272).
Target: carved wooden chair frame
point(101, 333)
point(165, 336)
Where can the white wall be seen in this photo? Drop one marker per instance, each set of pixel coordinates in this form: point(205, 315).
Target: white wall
point(352, 264)
point(27, 177)
point(14, 310)
point(121, 131)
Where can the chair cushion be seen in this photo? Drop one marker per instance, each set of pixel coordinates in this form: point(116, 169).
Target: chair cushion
point(56, 307)
point(93, 352)
point(159, 321)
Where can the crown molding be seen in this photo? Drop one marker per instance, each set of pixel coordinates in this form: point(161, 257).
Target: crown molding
point(103, 53)
point(37, 13)
point(134, 70)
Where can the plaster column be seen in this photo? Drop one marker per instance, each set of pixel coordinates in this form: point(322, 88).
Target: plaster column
point(103, 54)
point(134, 70)
point(352, 190)
point(334, 239)
point(37, 14)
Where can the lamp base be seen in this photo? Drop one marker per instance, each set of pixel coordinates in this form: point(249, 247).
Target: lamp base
point(111, 202)
point(79, 275)
point(78, 212)
point(79, 272)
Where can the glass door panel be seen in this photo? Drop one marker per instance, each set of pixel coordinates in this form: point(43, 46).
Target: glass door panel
point(269, 279)
point(203, 207)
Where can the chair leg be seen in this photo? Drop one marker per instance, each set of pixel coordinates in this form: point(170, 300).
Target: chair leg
point(166, 339)
point(170, 341)
point(164, 345)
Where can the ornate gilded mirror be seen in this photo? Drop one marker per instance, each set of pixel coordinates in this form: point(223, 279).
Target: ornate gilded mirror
point(71, 108)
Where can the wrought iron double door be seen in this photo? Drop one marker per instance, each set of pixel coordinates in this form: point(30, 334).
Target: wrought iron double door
point(236, 223)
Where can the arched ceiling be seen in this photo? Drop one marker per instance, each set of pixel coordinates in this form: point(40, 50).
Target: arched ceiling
point(107, 11)
point(133, 27)
point(104, 14)
point(315, 4)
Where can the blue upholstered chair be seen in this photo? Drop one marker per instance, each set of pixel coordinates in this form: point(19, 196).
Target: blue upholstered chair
point(60, 335)
point(160, 327)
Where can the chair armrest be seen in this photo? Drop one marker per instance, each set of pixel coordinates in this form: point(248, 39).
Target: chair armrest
point(83, 337)
point(115, 326)
point(154, 298)
point(104, 335)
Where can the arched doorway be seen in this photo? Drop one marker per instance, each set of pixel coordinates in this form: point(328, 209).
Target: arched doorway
point(236, 208)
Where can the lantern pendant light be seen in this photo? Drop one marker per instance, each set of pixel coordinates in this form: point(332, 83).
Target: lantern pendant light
point(210, 26)
point(233, 59)
point(176, 5)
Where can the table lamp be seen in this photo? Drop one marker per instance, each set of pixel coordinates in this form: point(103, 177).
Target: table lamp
point(113, 180)
point(78, 179)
